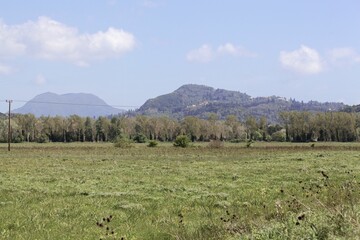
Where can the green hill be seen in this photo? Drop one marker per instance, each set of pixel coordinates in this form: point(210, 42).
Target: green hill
point(200, 101)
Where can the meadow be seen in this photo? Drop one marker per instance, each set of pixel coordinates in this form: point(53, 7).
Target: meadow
point(97, 191)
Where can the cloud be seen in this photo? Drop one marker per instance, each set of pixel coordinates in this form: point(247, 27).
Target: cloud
point(5, 70)
point(203, 54)
point(340, 56)
point(206, 53)
point(237, 51)
point(52, 40)
point(303, 60)
point(40, 80)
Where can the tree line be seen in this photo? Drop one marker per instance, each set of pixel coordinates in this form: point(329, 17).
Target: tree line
point(294, 126)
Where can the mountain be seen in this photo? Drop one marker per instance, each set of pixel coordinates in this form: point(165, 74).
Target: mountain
point(82, 104)
point(200, 101)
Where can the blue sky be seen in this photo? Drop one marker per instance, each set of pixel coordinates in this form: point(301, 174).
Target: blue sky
point(126, 52)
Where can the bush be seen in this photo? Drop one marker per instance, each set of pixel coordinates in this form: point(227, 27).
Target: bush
point(268, 138)
point(279, 136)
point(123, 142)
point(182, 141)
point(42, 139)
point(140, 138)
point(249, 143)
point(257, 136)
point(17, 139)
point(152, 143)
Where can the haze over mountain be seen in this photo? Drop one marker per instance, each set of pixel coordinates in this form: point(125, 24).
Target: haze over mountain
point(200, 101)
point(82, 104)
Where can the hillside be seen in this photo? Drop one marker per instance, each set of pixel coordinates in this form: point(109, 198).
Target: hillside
point(354, 108)
point(82, 104)
point(198, 100)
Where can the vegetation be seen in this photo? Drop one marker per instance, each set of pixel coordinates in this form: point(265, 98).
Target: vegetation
point(294, 127)
point(123, 142)
point(182, 141)
point(152, 143)
point(330, 126)
point(199, 101)
point(93, 191)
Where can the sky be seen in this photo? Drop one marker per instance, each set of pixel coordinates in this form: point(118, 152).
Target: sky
point(127, 51)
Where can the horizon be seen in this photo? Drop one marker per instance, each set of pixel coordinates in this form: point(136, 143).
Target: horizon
point(128, 52)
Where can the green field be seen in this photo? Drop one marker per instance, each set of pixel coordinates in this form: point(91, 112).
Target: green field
point(97, 191)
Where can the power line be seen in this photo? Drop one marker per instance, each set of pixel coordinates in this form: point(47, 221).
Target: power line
point(74, 104)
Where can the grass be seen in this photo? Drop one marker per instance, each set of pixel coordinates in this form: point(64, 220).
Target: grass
point(266, 191)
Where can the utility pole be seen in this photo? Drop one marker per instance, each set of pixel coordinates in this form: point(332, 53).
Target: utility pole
point(9, 129)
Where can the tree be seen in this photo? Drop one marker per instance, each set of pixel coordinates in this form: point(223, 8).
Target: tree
point(26, 124)
point(90, 129)
point(102, 129)
point(214, 129)
point(141, 126)
point(263, 127)
point(3, 130)
point(169, 129)
point(76, 128)
point(115, 129)
point(252, 127)
point(232, 123)
point(191, 127)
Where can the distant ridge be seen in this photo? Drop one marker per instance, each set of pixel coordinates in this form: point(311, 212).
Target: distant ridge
point(82, 104)
point(200, 101)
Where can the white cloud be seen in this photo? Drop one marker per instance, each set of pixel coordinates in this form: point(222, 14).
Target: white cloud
point(344, 55)
point(9, 42)
point(233, 50)
point(206, 53)
point(203, 54)
point(49, 39)
point(5, 70)
point(304, 60)
point(40, 79)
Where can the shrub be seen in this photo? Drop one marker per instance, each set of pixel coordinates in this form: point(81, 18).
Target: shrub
point(123, 142)
point(249, 143)
point(268, 138)
point(279, 136)
point(257, 136)
point(140, 138)
point(152, 143)
point(42, 139)
point(17, 139)
point(182, 141)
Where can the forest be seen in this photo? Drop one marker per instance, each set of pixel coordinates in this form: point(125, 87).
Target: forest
point(294, 127)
